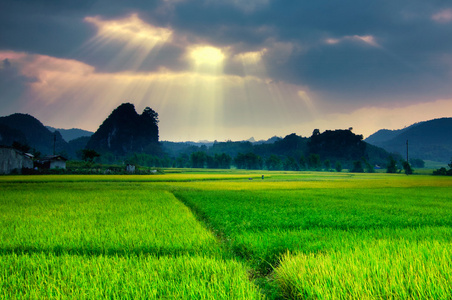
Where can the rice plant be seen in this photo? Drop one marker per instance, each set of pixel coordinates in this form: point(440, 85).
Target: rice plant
point(65, 276)
point(382, 269)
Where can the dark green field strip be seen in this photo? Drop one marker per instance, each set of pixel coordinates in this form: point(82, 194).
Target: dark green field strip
point(238, 211)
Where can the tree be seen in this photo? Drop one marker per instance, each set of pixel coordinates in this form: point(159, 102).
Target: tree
point(198, 159)
point(392, 166)
point(149, 120)
point(338, 166)
point(369, 167)
point(248, 161)
point(342, 145)
point(444, 171)
point(357, 167)
point(89, 155)
point(316, 132)
point(219, 161)
point(152, 114)
point(407, 168)
point(417, 163)
point(211, 162)
point(182, 161)
point(327, 165)
point(290, 164)
point(302, 163)
point(440, 171)
point(314, 161)
point(273, 162)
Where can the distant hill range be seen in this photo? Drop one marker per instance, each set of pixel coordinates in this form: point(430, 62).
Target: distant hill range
point(126, 132)
point(71, 134)
point(429, 140)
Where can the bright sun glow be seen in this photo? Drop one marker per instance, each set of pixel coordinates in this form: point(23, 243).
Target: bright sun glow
point(206, 55)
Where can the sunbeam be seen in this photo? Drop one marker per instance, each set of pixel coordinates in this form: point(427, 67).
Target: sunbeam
point(206, 94)
point(138, 40)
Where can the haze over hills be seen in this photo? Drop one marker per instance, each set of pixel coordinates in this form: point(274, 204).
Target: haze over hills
point(126, 132)
point(429, 140)
point(71, 134)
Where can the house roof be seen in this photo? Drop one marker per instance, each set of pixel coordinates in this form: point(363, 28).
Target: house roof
point(18, 151)
point(54, 157)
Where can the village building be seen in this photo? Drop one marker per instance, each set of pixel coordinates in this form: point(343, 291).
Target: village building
point(12, 159)
point(130, 168)
point(52, 162)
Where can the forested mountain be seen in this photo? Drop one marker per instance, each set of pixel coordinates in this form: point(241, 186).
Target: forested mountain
point(28, 130)
point(71, 134)
point(337, 145)
point(429, 140)
point(126, 132)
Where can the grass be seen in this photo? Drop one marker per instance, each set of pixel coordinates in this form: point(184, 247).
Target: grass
point(307, 235)
point(380, 269)
point(317, 216)
point(110, 240)
point(96, 219)
point(50, 276)
point(171, 177)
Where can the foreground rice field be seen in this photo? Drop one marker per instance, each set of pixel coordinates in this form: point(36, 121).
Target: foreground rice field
point(224, 236)
point(118, 240)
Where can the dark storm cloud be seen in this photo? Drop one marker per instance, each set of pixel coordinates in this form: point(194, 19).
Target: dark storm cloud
point(410, 55)
point(407, 61)
point(39, 27)
point(55, 27)
point(12, 86)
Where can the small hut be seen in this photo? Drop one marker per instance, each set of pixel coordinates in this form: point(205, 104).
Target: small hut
point(52, 162)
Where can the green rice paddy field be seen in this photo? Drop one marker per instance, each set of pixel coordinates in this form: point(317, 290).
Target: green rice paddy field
point(226, 235)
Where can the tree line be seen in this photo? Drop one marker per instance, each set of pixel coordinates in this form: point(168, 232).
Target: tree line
point(330, 151)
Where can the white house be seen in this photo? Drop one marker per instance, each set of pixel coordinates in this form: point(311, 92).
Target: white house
point(53, 162)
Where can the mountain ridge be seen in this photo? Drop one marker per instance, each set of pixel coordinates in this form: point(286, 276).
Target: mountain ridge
point(427, 140)
point(72, 133)
point(34, 133)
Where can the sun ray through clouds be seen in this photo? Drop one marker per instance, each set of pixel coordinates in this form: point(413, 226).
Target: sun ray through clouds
point(130, 42)
point(275, 101)
point(206, 87)
point(138, 40)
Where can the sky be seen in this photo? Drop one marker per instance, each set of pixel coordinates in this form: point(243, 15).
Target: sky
point(228, 69)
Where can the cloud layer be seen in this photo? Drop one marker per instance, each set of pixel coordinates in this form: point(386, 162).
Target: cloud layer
point(228, 69)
